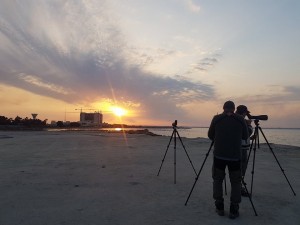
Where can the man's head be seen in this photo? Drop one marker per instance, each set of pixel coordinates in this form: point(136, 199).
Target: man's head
point(242, 110)
point(229, 106)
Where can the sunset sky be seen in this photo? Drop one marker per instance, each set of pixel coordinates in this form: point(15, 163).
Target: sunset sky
point(157, 60)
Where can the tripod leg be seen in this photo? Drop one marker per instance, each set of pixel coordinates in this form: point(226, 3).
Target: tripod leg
point(186, 152)
point(257, 137)
point(212, 143)
point(250, 150)
point(282, 170)
point(165, 154)
point(243, 182)
point(175, 156)
point(253, 163)
point(225, 186)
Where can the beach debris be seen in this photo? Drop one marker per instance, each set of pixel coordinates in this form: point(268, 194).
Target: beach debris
point(144, 131)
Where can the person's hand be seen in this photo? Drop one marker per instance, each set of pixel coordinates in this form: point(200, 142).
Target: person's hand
point(253, 137)
point(248, 122)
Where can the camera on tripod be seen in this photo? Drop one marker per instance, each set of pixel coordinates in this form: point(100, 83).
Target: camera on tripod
point(174, 124)
point(260, 117)
point(174, 134)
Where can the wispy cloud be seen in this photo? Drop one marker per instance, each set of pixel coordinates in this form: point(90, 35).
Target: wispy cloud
point(36, 81)
point(144, 57)
point(207, 62)
point(192, 6)
point(274, 97)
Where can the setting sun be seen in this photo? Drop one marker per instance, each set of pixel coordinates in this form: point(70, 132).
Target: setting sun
point(119, 111)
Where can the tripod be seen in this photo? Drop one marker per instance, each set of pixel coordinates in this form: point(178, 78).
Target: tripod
point(174, 134)
point(243, 182)
point(256, 144)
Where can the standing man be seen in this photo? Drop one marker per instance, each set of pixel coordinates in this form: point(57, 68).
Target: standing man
point(227, 130)
point(243, 111)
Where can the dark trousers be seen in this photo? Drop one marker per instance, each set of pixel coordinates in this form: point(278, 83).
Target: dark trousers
point(244, 158)
point(218, 174)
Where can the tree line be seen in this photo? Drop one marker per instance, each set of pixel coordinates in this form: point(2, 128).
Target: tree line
point(32, 123)
point(18, 121)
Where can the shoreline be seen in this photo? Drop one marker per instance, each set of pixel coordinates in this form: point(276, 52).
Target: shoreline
point(122, 131)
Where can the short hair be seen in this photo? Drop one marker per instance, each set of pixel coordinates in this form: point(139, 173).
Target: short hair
point(229, 106)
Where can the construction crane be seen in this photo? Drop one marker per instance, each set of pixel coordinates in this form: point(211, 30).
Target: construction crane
point(98, 111)
point(84, 109)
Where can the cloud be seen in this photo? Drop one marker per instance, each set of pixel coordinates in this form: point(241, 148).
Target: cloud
point(281, 102)
point(204, 64)
point(144, 57)
point(36, 81)
point(277, 94)
point(74, 51)
point(192, 6)
point(293, 92)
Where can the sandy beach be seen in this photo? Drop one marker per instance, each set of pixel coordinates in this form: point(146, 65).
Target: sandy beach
point(85, 178)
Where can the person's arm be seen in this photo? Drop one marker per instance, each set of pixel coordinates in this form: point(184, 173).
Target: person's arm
point(211, 130)
point(245, 134)
point(250, 128)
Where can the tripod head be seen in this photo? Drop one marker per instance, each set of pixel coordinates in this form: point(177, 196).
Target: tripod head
point(174, 124)
point(257, 118)
point(256, 122)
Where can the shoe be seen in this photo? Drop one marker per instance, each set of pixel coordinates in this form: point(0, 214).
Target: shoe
point(220, 208)
point(220, 212)
point(234, 211)
point(244, 193)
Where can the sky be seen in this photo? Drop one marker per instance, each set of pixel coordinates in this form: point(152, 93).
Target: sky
point(158, 61)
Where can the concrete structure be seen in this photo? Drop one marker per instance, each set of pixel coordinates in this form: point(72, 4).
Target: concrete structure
point(34, 115)
point(91, 119)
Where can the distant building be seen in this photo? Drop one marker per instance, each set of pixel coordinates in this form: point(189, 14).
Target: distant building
point(91, 119)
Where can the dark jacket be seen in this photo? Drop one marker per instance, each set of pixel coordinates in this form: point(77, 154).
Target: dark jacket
point(227, 131)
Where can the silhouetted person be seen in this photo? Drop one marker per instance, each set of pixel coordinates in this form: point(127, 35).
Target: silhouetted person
point(227, 130)
point(243, 111)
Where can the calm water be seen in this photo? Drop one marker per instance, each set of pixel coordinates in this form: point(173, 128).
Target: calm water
point(276, 136)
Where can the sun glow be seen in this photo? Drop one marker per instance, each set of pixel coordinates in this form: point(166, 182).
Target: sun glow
point(118, 111)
